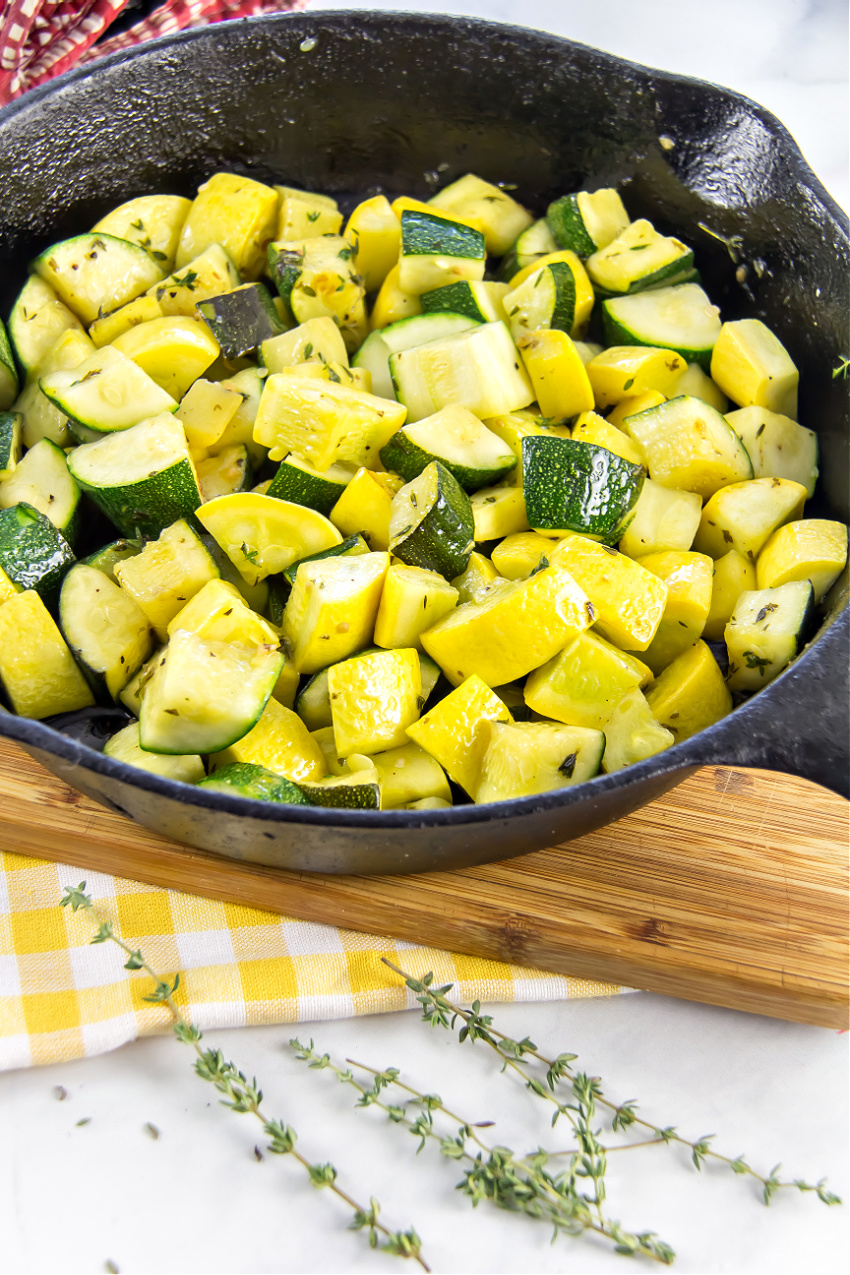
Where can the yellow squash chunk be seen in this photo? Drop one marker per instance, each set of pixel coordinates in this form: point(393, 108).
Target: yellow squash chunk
point(392, 302)
point(664, 518)
point(632, 405)
point(325, 740)
point(208, 275)
point(167, 574)
point(206, 410)
point(453, 731)
point(374, 231)
point(365, 507)
point(592, 428)
point(614, 266)
point(525, 307)
point(585, 682)
point(765, 633)
point(240, 429)
point(106, 330)
point(633, 733)
point(514, 427)
point(406, 774)
point(219, 613)
point(733, 574)
point(357, 378)
point(753, 367)
point(236, 212)
point(557, 373)
point(628, 600)
point(812, 549)
point(304, 215)
point(413, 600)
point(281, 742)
point(518, 555)
point(499, 216)
point(477, 580)
point(7, 588)
point(743, 516)
point(173, 351)
point(512, 631)
point(37, 670)
point(498, 512)
point(694, 382)
point(688, 445)
point(374, 698)
point(154, 222)
point(526, 758)
point(690, 694)
point(331, 610)
point(324, 423)
point(262, 535)
point(286, 686)
point(625, 371)
point(688, 577)
point(316, 339)
point(777, 446)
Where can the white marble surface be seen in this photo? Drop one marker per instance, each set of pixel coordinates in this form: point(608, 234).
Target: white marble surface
point(196, 1200)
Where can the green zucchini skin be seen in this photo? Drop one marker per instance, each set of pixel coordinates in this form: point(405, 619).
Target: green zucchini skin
point(305, 487)
point(535, 242)
point(441, 537)
point(430, 235)
point(406, 458)
point(245, 779)
point(147, 507)
point(118, 551)
point(343, 792)
point(567, 227)
point(34, 553)
point(8, 372)
point(573, 486)
point(285, 265)
point(352, 546)
point(242, 319)
point(11, 428)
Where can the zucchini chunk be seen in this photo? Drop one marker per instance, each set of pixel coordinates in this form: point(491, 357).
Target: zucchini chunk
point(374, 698)
point(313, 702)
point(142, 478)
point(412, 601)
point(33, 553)
point(733, 575)
point(167, 574)
point(262, 535)
point(125, 747)
point(690, 694)
point(436, 251)
point(688, 577)
point(174, 351)
point(479, 369)
point(107, 632)
point(571, 486)
point(205, 695)
point(37, 321)
point(477, 580)
point(154, 222)
point(431, 524)
point(8, 372)
point(43, 481)
point(42, 419)
point(766, 631)
point(458, 440)
point(584, 683)
point(107, 392)
point(332, 608)
point(628, 600)
point(305, 215)
point(525, 758)
point(281, 743)
point(11, 429)
point(246, 779)
point(37, 670)
point(557, 374)
point(365, 506)
point(206, 410)
point(555, 295)
point(587, 220)
point(226, 472)
point(752, 366)
point(300, 483)
point(777, 446)
point(535, 242)
point(689, 445)
point(353, 546)
point(316, 278)
point(640, 258)
point(210, 273)
point(812, 549)
point(93, 274)
point(633, 733)
point(360, 791)
point(499, 216)
point(374, 232)
point(108, 328)
point(454, 734)
point(482, 302)
point(316, 339)
point(236, 212)
point(663, 518)
point(248, 383)
point(240, 320)
point(680, 318)
point(405, 334)
point(743, 516)
point(107, 558)
point(219, 612)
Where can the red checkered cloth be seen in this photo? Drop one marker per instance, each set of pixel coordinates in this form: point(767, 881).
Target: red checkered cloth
point(40, 39)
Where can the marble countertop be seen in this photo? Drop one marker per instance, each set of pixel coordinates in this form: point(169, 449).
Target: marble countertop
point(76, 1197)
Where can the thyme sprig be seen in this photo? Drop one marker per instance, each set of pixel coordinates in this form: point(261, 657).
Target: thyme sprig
point(245, 1097)
point(439, 1011)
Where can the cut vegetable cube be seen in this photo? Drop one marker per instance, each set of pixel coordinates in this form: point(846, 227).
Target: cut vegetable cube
point(632, 733)
point(688, 577)
point(33, 553)
point(753, 367)
point(777, 446)
point(627, 371)
point(572, 486)
point(405, 334)
point(227, 472)
point(125, 746)
point(392, 304)
point(592, 428)
point(498, 512)
point(431, 523)
point(245, 779)
point(557, 373)
point(743, 516)
point(640, 258)
point(37, 670)
point(481, 301)
point(557, 294)
point(663, 518)
point(436, 251)
point(360, 791)
point(587, 221)
point(365, 506)
point(107, 329)
point(477, 580)
point(690, 694)
point(37, 321)
point(154, 222)
point(324, 423)
point(813, 549)
point(174, 351)
point(407, 774)
point(453, 731)
point(765, 632)
point(478, 369)
point(527, 249)
point(108, 391)
point(374, 698)
point(689, 445)
point(167, 574)
point(332, 608)
point(695, 383)
point(526, 758)
point(628, 600)
point(352, 546)
point(585, 682)
point(205, 411)
point(208, 274)
point(316, 339)
point(501, 218)
point(316, 278)
point(281, 743)
point(218, 612)
point(413, 600)
point(43, 481)
point(458, 440)
point(632, 405)
point(262, 535)
point(304, 214)
point(106, 630)
point(518, 555)
point(242, 319)
point(95, 273)
point(733, 574)
point(236, 212)
point(374, 231)
point(680, 318)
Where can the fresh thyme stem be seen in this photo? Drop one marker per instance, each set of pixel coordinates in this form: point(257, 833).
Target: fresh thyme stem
point(243, 1096)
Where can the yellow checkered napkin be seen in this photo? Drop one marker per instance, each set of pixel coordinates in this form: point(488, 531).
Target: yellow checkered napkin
point(61, 998)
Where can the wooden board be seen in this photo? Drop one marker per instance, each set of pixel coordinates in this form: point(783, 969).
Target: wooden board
point(731, 890)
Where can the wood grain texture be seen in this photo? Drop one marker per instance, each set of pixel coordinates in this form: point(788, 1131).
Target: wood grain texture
point(731, 890)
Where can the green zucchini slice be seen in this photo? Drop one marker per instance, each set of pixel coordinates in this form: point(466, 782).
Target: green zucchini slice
point(11, 430)
point(153, 222)
point(108, 633)
point(352, 546)
point(37, 321)
point(240, 320)
point(350, 792)
point(431, 523)
point(458, 440)
point(167, 574)
point(535, 242)
point(8, 372)
point(481, 301)
point(228, 471)
point(107, 392)
point(33, 553)
point(680, 318)
point(587, 220)
point(42, 419)
point(300, 483)
point(313, 702)
point(107, 558)
point(573, 486)
point(247, 779)
point(262, 536)
point(94, 274)
point(436, 251)
point(640, 258)
point(42, 480)
point(767, 629)
point(375, 352)
point(37, 670)
point(479, 369)
point(125, 747)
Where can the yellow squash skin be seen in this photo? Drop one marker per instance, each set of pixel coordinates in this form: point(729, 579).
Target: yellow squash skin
point(628, 600)
point(688, 577)
point(733, 574)
point(374, 698)
point(743, 516)
point(236, 212)
point(690, 693)
point(754, 369)
point(584, 683)
point(413, 600)
point(331, 611)
point(625, 371)
point(281, 742)
point(812, 549)
point(365, 507)
point(452, 732)
point(37, 670)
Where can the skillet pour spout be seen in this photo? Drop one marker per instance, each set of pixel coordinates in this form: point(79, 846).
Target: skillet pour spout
point(350, 102)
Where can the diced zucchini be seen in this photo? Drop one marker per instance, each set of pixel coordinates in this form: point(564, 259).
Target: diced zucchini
point(477, 300)
point(37, 321)
point(392, 304)
point(93, 274)
point(752, 366)
point(590, 427)
point(360, 791)
point(407, 774)
point(681, 318)
point(628, 600)
point(690, 694)
point(210, 273)
point(501, 218)
point(458, 440)
point(313, 702)
point(107, 392)
point(765, 632)
point(513, 630)
point(436, 251)
point(412, 601)
point(303, 214)
point(585, 682)
point(37, 671)
point(245, 779)
point(365, 506)
point(479, 369)
point(107, 329)
point(43, 481)
point(555, 295)
point(316, 339)
point(107, 558)
point(743, 516)
point(11, 429)
point(107, 632)
point(353, 546)
point(166, 574)
point(405, 203)
point(689, 445)
point(300, 483)
point(142, 478)
point(8, 372)
point(498, 512)
point(477, 580)
point(240, 320)
point(281, 743)
point(405, 334)
point(571, 486)
point(374, 231)
point(694, 382)
point(663, 518)
point(33, 553)
point(431, 523)
point(131, 696)
point(154, 222)
point(812, 549)
point(429, 671)
point(454, 733)
point(587, 221)
point(125, 747)
point(640, 258)
point(315, 278)
point(777, 446)
point(236, 212)
point(733, 575)
point(42, 419)
point(262, 535)
point(374, 698)
point(688, 577)
point(557, 373)
point(625, 371)
point(535, 242)
point(226, 472)
point(632, 733)
point(332, 608)
point(525, 758)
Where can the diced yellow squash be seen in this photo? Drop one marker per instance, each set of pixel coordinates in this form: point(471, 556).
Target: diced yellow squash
point(207, 408)
point(325, 739)
point(240, 428)
point(358, 378)
point(281, 742)
point(374, 698)
point(7, 588)
point(37, 670)
point(108, 328)
point(697, 384)
point(632, 405)
point(733, 574)
point(219, 613)
point(688, 577)
point(518, 555)
point(628, 600)
point(513, 630)
point(752, 366)
point(664, 518)
point(526, 758)
point(633, 733)
point(413, 600)
point(477, 580)
point(498, 512)
point(318, 339)
point(812, 549)
point(174, 351)
point(324, 423)
point(262, 535)
point(743, 516)
point(688, 445)
point(558, 376)
point(365, 506)
point(593, 428)
point(209, 274)
point(777, 446)
point(328, 285)
point(515, 426)
point(392, 302)
point(304, 215)
point(625, 371)
point(286, 686)
point(584, 683)
point(167, 574)
point(690, 694)
point(154, 222)
point(765, 633)
point(499, 216)
point(236, 212)
point(374, 231)
point(331, 610)
point(452, 732)
point(406, 774)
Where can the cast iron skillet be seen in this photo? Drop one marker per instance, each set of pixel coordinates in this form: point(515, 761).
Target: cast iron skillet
point(401, 103)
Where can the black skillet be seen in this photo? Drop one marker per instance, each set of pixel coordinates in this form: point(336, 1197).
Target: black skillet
point(354, 102)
